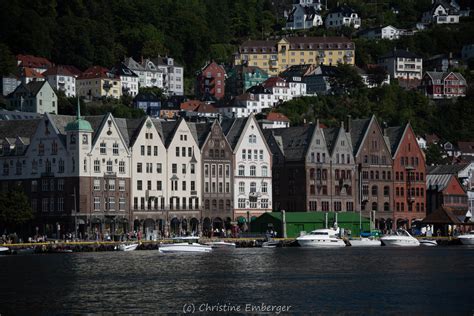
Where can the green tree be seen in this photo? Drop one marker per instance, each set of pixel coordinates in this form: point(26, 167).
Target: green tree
point(15, 208)
point(434, 155)
point(7, 60)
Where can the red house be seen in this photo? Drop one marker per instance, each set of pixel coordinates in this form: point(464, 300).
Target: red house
point(444, 85)
point(211, 81)
point(445, 190)
point(409, 170)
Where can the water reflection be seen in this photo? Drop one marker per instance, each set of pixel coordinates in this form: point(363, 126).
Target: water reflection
point(384, 280)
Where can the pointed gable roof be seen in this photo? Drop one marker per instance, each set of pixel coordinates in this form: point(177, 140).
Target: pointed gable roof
point(330, 135)
point(395, 136)
point(294, 141)
point(358, 129)
point(233, 128)
point(169, 129)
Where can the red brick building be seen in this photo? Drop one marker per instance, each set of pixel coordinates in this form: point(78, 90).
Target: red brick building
point(211, 81)
point(409, 170)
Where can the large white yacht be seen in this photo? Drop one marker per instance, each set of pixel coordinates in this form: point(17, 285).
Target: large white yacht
point(401, 238)
point(184, 244)
point(467, 239)
point(321, 238)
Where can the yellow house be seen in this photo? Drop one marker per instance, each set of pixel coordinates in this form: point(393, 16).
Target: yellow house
point(98, 82)
point(274, 56)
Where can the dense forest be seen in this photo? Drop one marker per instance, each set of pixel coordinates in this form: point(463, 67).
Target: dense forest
point(88, 32)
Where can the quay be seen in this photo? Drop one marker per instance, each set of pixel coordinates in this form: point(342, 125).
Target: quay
point(99, 246)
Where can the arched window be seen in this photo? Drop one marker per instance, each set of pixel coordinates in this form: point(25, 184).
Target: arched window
point(264, 171)
point(253, 171)
point(311, 173)
point(242, 187)
point(374, 190)
point(386, 207)
point(253, 187)
point(264, 187)
point(386, 190)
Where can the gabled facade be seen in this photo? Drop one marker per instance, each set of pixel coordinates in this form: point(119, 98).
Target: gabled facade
point(303, 17)
point(409, 172)
point(39, 64)
point(252, 168)
point(36, 96)
point(217, 179)
point(442, 12)
point(444, 190)
point(402, 64)
point(154, 76)
point(444, 85)
point(173, 75)
point(128, 79)
point(374, 162)
point(241, 78)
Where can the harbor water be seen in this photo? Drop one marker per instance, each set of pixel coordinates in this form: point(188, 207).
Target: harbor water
point(347, 281)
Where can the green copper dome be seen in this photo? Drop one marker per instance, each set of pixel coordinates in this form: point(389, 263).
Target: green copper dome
point(79, 124)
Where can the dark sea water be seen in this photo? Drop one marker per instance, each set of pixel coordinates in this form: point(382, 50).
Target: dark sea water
point(348, 281)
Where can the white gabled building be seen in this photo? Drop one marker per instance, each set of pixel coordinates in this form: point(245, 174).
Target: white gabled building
point(173, 75)
point(442, 12)
point(128, 79)
point(252, 168)
point(303, 17)
point(342, 16)
point(154, 77)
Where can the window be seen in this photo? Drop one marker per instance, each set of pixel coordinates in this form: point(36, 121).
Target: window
point(264, 203)
point(139, 167)
point(252, 139)
point(97, 166)
point(96, 184)
point(96, 203)
point(253, 171)
point(374, 190)
point(155, 150)
point(255, 154)
point(206, 170)
point(227, 170)
point(253, 187)
point(243, 154)
point(174, 168)
point(60, 204)
point(159, 185)
point(241, 203)
point(122, 167)
point(386, 191)
point(103, 148)
point(111, 203)
point(213, 170)
point(193, 169)
point(121, 203)
point(177, 151)
point(183, 151)
point(122, 185)
point(110, 166)
point(241, 187)
point(148, 150)
point(241, 170)
point(139, 185)
point(115, 149)
point(111, 185)
point(265, 171)
point(158, 168)
point(264, 187)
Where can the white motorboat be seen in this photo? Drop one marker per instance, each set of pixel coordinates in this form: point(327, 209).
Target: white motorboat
point(401, 238)
point(129, 247)
point(3, 249)
point(183, 245)
point(221, 244)
point(270, 244)
point(428, 242)
point(365, 242)
point(467, 239)
point(321, 238)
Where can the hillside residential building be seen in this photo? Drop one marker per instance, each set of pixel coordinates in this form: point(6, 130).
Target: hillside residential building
point(39, 64)
point(149, 103)
point(28, 75)
point(61, 79)
point(97, 82)
point(274, 120)
point(173, 75)
point(303, 17)
point(128, 79)
point(139, 70)
point(9, 84)
point(409, 170)
point(274, 56)
point(342, 16)
point(444, 85)
point(385, 32)
point(442, 12)
point(402, 64)
point(196, 108)
point(154, 76)
point(441, 62)
point(252, 168)
point(240, 78)
point(36, 96)
point(210, 81)
point(444, 190)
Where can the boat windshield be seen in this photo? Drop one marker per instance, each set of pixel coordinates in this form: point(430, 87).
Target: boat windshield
point(401, 232)
point(319, 233)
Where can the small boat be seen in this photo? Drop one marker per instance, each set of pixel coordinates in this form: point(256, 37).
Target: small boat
point(365, 242)
point(270, 244)
point(125, 247)
point(401, 238)
point(467, 239)
point(321, 238)
point(428, 242)
point(221, 244)
point(184, 245)
point(4, 250)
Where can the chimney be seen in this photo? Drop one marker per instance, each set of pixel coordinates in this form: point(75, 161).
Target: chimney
point(349, 123)
point(384, 128)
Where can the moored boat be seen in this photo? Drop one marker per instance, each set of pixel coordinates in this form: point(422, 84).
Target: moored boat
point(221, 244)
point(129, 247)
point(365, 242)
point(467, 239)
point(184, 245)
point(401, 238)
point(270, 244)
point(428, 242)
point(4, 249)
point(321, 238)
